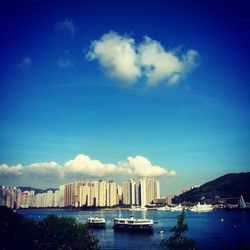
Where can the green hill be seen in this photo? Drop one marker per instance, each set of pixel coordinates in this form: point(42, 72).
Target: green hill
point(226, 186)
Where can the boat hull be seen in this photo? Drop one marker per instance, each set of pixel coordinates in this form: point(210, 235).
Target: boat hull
point(133, 228)
point(97, 225)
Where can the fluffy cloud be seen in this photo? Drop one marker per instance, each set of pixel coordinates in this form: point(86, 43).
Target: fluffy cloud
point(83, 165)
point(123, 59)
point(137, 166)
point(11, 171)
point(67, 25)
point(46, 170)
point(157, 63)
point(117, 55)
point(141, 166)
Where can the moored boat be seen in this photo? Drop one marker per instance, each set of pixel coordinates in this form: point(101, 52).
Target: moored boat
point(177, 208)
point(165, 208)
point(133, 225)
point(201, 207)
point(96, 222)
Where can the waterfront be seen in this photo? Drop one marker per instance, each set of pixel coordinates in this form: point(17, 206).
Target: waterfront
point(206, 228)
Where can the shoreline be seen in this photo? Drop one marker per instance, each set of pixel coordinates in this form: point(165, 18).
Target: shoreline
point(247, 209)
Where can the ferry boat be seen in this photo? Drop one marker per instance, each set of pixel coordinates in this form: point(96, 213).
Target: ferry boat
point(96, 222)
point(133, 225)
point(202, 208)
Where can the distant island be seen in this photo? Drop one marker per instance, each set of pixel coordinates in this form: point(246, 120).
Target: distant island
point(227, 186)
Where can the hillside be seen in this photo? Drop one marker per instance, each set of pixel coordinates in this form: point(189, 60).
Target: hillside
point(226, 186)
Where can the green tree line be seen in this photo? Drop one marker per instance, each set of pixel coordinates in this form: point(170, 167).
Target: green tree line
point(51, 233)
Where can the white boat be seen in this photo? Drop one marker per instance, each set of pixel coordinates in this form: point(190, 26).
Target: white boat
point(133, 225)
point(201, 207)
point(96, 222)
point(165, 208)
point(177, 208)
point(137, 208)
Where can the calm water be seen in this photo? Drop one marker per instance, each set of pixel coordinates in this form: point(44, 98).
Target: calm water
point(206, 228)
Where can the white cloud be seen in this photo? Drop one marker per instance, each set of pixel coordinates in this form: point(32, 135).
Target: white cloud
point(64, 63)
point(125, 60)
point(11, 171)
point(161, 65)
point(83, 165)
point(141, 166)
point(189, 60)
point(117, 55)
point(157, 63)
point(25, 63)
point(45, 170)
point(67, 25)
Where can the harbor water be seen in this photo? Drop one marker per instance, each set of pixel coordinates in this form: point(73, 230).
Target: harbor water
point(211, 230)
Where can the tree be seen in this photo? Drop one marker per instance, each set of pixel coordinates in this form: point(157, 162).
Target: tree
point(65, 233)
point(178, 241)
point(52, 233)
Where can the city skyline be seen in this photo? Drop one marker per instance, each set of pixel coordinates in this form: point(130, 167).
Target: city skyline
point(138, 192)
point(103, 90)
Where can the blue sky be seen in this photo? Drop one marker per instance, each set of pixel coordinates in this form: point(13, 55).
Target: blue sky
point(97, 89)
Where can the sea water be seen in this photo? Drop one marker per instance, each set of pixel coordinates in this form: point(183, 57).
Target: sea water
point(211, 230)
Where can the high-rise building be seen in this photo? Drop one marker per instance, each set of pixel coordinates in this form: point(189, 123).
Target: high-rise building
point(61, 201)
point(129, 192)
point(112, 194)
point(11, 198)
point(132, 192)
point(126, 193)
point(50, 197)
point(57, 198)
point(140, 192)
point(153, 189)
point(101, 193)
point(94, 194)
point(3, 195)
point(85, 194)
point(107, 194)
point(150, 194)
point(157, 189)
point(19, 197)
point(69, 194)
point(118, 194)
point(39, 202)
point(76, 192)
point(25, 199)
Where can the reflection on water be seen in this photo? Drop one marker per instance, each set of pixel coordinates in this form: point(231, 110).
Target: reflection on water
point(212, 230)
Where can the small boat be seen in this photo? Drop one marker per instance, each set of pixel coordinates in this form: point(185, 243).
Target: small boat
point(202, 208)
point(137, 208)
point(165, 208)
point(96, 222)
point(133, 225)
point(177, 208)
